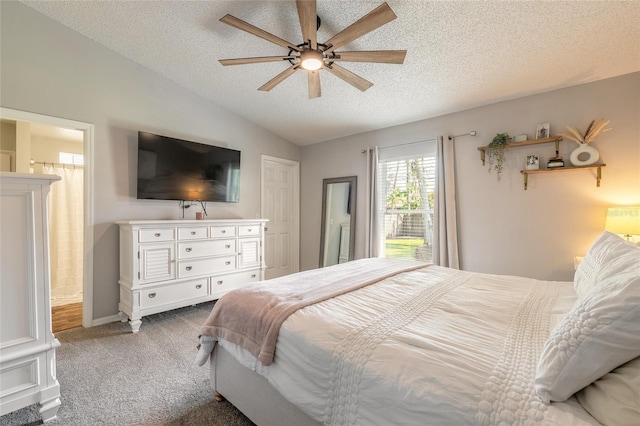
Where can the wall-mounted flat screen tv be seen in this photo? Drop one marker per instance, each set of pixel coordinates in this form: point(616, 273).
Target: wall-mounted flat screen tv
point(175, 169)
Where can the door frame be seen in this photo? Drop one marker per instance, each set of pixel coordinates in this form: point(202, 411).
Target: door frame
point(295, 167)
point(88, 131)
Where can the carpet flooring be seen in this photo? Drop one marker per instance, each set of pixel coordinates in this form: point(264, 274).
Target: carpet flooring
point(110, 376)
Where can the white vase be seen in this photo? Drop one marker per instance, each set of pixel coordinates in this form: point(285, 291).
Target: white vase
point(584, 150)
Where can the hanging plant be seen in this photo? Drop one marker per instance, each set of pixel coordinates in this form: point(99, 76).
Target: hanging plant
point(496, 153)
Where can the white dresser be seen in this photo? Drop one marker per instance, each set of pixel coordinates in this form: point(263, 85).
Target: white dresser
point(27, 345)
point(168, 264)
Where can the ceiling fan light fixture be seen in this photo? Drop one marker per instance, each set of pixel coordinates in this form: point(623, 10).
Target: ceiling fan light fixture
point(311, 60)
point(312, 56)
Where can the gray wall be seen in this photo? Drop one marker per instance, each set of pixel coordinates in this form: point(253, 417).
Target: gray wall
point(48, 69)
point(502, 228)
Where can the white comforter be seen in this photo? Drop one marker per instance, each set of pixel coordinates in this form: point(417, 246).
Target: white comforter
point(432, 346)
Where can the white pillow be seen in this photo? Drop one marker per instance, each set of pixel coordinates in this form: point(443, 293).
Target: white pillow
point(615, 398)
point(606, 248)
point(600, 333)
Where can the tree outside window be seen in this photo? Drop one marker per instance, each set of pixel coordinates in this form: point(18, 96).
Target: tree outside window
point(408, 187)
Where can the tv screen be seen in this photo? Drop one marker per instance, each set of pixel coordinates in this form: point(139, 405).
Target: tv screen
point(175, 169)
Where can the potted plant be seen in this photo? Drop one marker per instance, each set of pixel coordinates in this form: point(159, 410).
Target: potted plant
point(496, 153)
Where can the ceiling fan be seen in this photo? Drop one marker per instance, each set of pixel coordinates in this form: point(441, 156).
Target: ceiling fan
point(312, 56)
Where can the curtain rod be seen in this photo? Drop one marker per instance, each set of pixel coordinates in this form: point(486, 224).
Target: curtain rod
point(471, 133)
point(402, 144)
point(63, 165)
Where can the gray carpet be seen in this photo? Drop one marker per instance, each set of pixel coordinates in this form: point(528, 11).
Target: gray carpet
point(110, 376)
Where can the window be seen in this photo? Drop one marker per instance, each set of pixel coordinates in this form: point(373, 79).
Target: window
point(406, 187)
point(68, 158)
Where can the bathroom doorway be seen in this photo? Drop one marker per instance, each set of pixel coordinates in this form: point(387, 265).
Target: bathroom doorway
point(48, 145)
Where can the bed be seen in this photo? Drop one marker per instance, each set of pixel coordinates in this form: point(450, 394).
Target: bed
point(388, 342)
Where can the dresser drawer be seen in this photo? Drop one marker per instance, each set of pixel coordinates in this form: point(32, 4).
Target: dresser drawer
point(206, 248)
point(155, 235)
point(249, 230)
point(194, 268)
point(223, 231)
point(173, 293)
point(195, 233)
point(249, 276)
point(230, 282)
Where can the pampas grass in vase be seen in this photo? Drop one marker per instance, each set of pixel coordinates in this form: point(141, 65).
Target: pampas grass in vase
point(595, 128)
point(585, 154)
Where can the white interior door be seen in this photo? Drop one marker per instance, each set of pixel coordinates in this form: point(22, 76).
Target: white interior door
point(280, 203)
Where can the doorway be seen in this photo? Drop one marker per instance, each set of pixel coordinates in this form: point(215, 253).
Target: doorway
point(51, 145)
point(280, 203)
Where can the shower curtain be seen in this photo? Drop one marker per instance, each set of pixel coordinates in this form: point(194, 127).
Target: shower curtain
point(66, 234)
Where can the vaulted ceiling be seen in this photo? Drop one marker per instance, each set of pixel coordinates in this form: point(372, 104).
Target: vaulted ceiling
point(460, 54)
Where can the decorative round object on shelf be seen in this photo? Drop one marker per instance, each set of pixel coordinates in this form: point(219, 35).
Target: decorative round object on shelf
point(584, 155)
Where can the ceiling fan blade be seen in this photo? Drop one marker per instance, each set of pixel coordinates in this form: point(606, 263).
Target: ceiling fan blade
point(351, 78)
point(308, 22)
point(278, 79)
point(314, 84)
point(245, 26)
point(242, 61)
point(377, 56)
point(374, 19)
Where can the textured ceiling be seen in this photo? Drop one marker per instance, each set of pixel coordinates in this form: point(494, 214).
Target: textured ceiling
point(460, 54)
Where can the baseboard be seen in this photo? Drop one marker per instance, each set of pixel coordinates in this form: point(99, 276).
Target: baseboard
point(105, 320)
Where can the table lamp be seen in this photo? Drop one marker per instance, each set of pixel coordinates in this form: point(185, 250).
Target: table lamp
point(623, 220)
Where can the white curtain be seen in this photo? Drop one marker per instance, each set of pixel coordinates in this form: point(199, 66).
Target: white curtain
point(445, 235)
point(66, 234)
point(373, 235)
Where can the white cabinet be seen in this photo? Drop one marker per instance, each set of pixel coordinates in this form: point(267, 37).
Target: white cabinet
point(27, 345)
point(168, 264)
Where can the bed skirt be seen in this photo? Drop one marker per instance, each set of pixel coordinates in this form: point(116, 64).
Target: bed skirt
point(252, 394)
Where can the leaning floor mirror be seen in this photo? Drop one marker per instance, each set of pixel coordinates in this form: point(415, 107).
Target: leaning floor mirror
point(338, 227)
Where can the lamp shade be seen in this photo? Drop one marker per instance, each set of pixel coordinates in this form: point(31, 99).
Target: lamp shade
point(623, 220)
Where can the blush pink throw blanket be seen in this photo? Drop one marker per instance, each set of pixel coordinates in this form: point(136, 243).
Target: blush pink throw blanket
point(251, 316)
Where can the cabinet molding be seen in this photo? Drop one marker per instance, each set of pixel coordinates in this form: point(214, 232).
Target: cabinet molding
point(27, 344)
point(169, 264)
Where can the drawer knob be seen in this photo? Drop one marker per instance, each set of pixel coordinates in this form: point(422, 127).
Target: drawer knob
point(253, 275)
point(157, 234)
point(249, 230)
point(188, 249)
point(193, 232)
point(228, 262)
point(152, 295)
point(220, 282)
point(227, 246)
point(199, 286)
point(223, 231)
point(188, 268)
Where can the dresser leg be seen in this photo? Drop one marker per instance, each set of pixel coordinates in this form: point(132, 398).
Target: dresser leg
point(49, 409)
point(135, 325)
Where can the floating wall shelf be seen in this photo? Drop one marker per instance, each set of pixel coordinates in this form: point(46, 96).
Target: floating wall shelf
point(598, 168)
point(556, 139)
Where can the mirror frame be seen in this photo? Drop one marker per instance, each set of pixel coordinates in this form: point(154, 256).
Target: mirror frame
point(353, 181)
